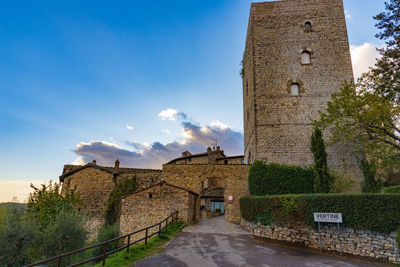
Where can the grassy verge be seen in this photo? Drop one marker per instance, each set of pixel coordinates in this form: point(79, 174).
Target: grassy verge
point(138, 252)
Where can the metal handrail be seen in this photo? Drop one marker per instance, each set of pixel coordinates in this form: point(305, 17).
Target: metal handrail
point(104, 244)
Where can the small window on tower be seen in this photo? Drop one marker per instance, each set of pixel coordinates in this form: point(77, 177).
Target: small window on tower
point(247, 87)
point(307, 27)
point(305, 58)
point(294, 89)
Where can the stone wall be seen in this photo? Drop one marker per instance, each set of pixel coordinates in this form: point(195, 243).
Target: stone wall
point(364, 243)
point(144, 178)
point(277, 125)
point(94, 186)
point(234, 179)
point(154, 204)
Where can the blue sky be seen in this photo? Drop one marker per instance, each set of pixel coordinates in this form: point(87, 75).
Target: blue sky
point(86, 72)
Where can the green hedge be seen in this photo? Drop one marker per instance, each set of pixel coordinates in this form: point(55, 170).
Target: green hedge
point(276, 179)
point(375, 212)
point(392, 189)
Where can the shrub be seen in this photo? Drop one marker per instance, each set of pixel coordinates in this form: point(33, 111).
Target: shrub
point(370, 184)
point(323, 180)
point(375, 212)
point(392, 189)
point(123, 188)
point(341, 184)
point(276, 179)
point(106, 233)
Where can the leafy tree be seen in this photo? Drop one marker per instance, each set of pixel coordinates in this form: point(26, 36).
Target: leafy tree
point(370, 184)
point(323, 180)
point(46, 202)
point(123, 188)
point(107, 232)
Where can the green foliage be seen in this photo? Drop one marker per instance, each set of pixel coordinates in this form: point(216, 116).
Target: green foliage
point(370, 184)
point(276, 179)
point(375, 212)
point(17, 238)
point(50, 225)
point(123, 188)
point(46, 202)
point(341, 184)
point(323, 180)
point(140, 251)
point(107, 232)
point(392, 189)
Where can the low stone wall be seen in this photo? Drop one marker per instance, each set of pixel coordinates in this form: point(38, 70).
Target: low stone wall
point(354, 242)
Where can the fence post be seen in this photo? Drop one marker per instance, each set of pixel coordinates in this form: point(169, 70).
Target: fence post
point(129, 242)
point(166, 225)
point(59, 262)
point(159, 229)
point(104, 254)
point(145, 239)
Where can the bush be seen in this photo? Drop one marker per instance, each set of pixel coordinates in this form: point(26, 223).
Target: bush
point(392, 189)
point(375, 212)
point(276, 179)
point(370, 184)
point(106, 233)
point(341, 184)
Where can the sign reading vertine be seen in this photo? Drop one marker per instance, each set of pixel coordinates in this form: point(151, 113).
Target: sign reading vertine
point(328, 217)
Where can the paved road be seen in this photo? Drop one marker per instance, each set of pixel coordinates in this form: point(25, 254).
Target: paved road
point(214, 242)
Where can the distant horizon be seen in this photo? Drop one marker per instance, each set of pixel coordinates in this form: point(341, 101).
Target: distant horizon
point(128, 81)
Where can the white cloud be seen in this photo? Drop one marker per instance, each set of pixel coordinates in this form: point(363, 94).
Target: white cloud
point(129, 127)
point(348, 15)
point(166, 131)
point(19, 189)
point(168, 114)
point(363, 57)
point(195, 138)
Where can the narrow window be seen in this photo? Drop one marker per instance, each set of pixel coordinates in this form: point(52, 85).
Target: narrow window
point(226, 162)
point(306, 58)
point(307, 27)
point(247, 87)
point(294, 89)
point(150, 195)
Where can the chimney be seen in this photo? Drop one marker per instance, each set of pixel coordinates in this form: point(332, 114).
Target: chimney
point(116, 168)
point(94, 162)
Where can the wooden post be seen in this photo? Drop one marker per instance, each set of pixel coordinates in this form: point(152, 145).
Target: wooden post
point(129, 242)
point(145, 239)
point(59, 262)
point(166, 225)
point(104, 254)
point(159, 229)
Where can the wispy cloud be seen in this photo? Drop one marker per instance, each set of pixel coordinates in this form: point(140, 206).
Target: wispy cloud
point(194, 137)
point(130, 128)
point(348, 15)
point(166, 131)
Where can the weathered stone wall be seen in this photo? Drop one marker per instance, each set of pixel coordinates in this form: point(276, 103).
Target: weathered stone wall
point(354, 242)
point(94, 187)
point(144, 178)
point(234, 177)
point(154, 204)
point(278, 125)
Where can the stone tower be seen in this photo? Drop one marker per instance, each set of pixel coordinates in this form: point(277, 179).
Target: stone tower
point(297, 54)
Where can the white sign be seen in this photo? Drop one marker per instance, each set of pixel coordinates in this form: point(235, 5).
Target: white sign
point(328, 217)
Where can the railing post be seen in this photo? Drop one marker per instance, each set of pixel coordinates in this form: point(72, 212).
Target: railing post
point(166, 225)
point(159, 229)
point(129, 242)
point(104, 254)
point(145, 239)
point(59, 262)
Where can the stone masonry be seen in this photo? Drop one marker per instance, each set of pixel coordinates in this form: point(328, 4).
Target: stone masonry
point(277, 118)
point(364, 243)
point(233, 178)
point(151, 205)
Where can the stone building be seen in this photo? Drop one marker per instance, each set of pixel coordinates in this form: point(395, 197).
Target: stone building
point(151, 205)
point(296, 56)
point(95, 183)
point(212, 156)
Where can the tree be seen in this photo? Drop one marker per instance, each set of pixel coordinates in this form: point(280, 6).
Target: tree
point(370, 184)
point(323, 180)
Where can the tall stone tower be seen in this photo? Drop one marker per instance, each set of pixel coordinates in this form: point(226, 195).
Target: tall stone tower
point(297, 54)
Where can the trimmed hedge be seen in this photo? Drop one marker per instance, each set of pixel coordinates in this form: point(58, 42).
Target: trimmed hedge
point(276, 179)
point(375, 212)
point(392, 189)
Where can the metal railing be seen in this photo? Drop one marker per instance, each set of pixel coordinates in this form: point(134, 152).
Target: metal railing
point(173, 216)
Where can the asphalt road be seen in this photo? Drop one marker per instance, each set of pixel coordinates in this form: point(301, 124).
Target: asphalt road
point(213, 242)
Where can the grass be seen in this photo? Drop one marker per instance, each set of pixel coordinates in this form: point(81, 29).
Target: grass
point(155, 245)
